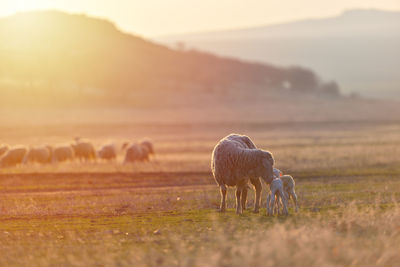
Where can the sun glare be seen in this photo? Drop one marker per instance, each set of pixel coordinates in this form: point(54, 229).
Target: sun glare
point(12, 7)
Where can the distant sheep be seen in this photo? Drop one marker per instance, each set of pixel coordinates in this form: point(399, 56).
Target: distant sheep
point(3, 149)
point(62, 153)
point(133, 153)
point(233, 163)
point(148, 145)
point(13, 157)
point(38, 155)
point(275, 195)
point(84, 150)
point(107, 152)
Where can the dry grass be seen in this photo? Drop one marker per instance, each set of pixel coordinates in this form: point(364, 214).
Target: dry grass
point(95, 214)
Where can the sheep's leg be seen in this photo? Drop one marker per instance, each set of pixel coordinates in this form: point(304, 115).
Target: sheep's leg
point(294, 197)
point(272, 202)
point(222, 189)
point(277, 205)
point(269, 213)
point(284, 201)
point(258, 188)
point(238, 202)
point(244, 197)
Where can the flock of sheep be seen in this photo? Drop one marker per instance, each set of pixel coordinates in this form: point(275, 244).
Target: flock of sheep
point(236, 161)
point(82, 150)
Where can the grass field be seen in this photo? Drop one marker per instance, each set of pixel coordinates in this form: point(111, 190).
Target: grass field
point(165, 212)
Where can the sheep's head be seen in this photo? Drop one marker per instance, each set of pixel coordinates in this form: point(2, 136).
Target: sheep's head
point(266, 166)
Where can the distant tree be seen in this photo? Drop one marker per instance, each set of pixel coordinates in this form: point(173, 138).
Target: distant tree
point(302, 79)
point(331, 88)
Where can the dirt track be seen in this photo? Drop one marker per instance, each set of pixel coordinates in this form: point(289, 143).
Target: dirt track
point(69, 182)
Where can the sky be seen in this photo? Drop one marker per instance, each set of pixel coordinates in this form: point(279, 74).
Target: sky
point(152, 18)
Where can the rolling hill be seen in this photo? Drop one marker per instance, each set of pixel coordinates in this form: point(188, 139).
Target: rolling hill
point(359, 48)
point(55, 58)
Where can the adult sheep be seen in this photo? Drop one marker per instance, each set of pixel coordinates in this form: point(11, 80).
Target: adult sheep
point(84, 150)
point(107, 152)
point(147, 144)
point(38, 155)
point(13, 157)
point(62, 153)
point(233, 163)
point(133, 153)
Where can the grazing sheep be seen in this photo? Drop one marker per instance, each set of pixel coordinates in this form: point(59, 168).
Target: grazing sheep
point(3, 149)
point(13, 157)
point(133, 153)
point(84, 150)
point(107, 152)
point(38, 155)
point(233, 163)
point(288, 189)
point(145, 153)
point(149, 145)
point(62, 153)
point(246, 141)
point(276, 193)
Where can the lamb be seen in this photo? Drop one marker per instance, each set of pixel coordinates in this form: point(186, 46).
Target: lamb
point(107, 152)
point(133, 153)
point(3, 149)
point(84, 150)
point(62, 153)
point(288, 189)
point(38, 155)
point(233, 163)
point(13, 157)
point(276, 188)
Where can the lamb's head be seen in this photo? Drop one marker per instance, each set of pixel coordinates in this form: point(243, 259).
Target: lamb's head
point(265, 165)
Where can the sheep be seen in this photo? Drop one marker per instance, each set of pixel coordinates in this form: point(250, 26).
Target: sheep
point(288, 186)
point(84, 150)
point(107, 152)
point(288, 189)
point(13, 157)
point(145, 153)
point(3, 149)
point(233, 163)
point(133, 153)
point(246, 141)
point(38, 155)
point(149, 145)
point(276, 188)
point(62, 153)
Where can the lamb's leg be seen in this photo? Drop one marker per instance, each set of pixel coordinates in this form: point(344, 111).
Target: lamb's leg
point(269, 213)
point(257, 197)
point(284, 201)
point(277, 205)
point(222, 189)
point(294, 197)
point(238, 202)
point(244, 197)
point(272, 202)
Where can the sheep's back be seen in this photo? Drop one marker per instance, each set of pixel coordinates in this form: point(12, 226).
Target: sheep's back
point(225, 161)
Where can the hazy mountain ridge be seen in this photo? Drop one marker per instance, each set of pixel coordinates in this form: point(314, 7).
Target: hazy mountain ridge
point(49, 56)
point(358, 48)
